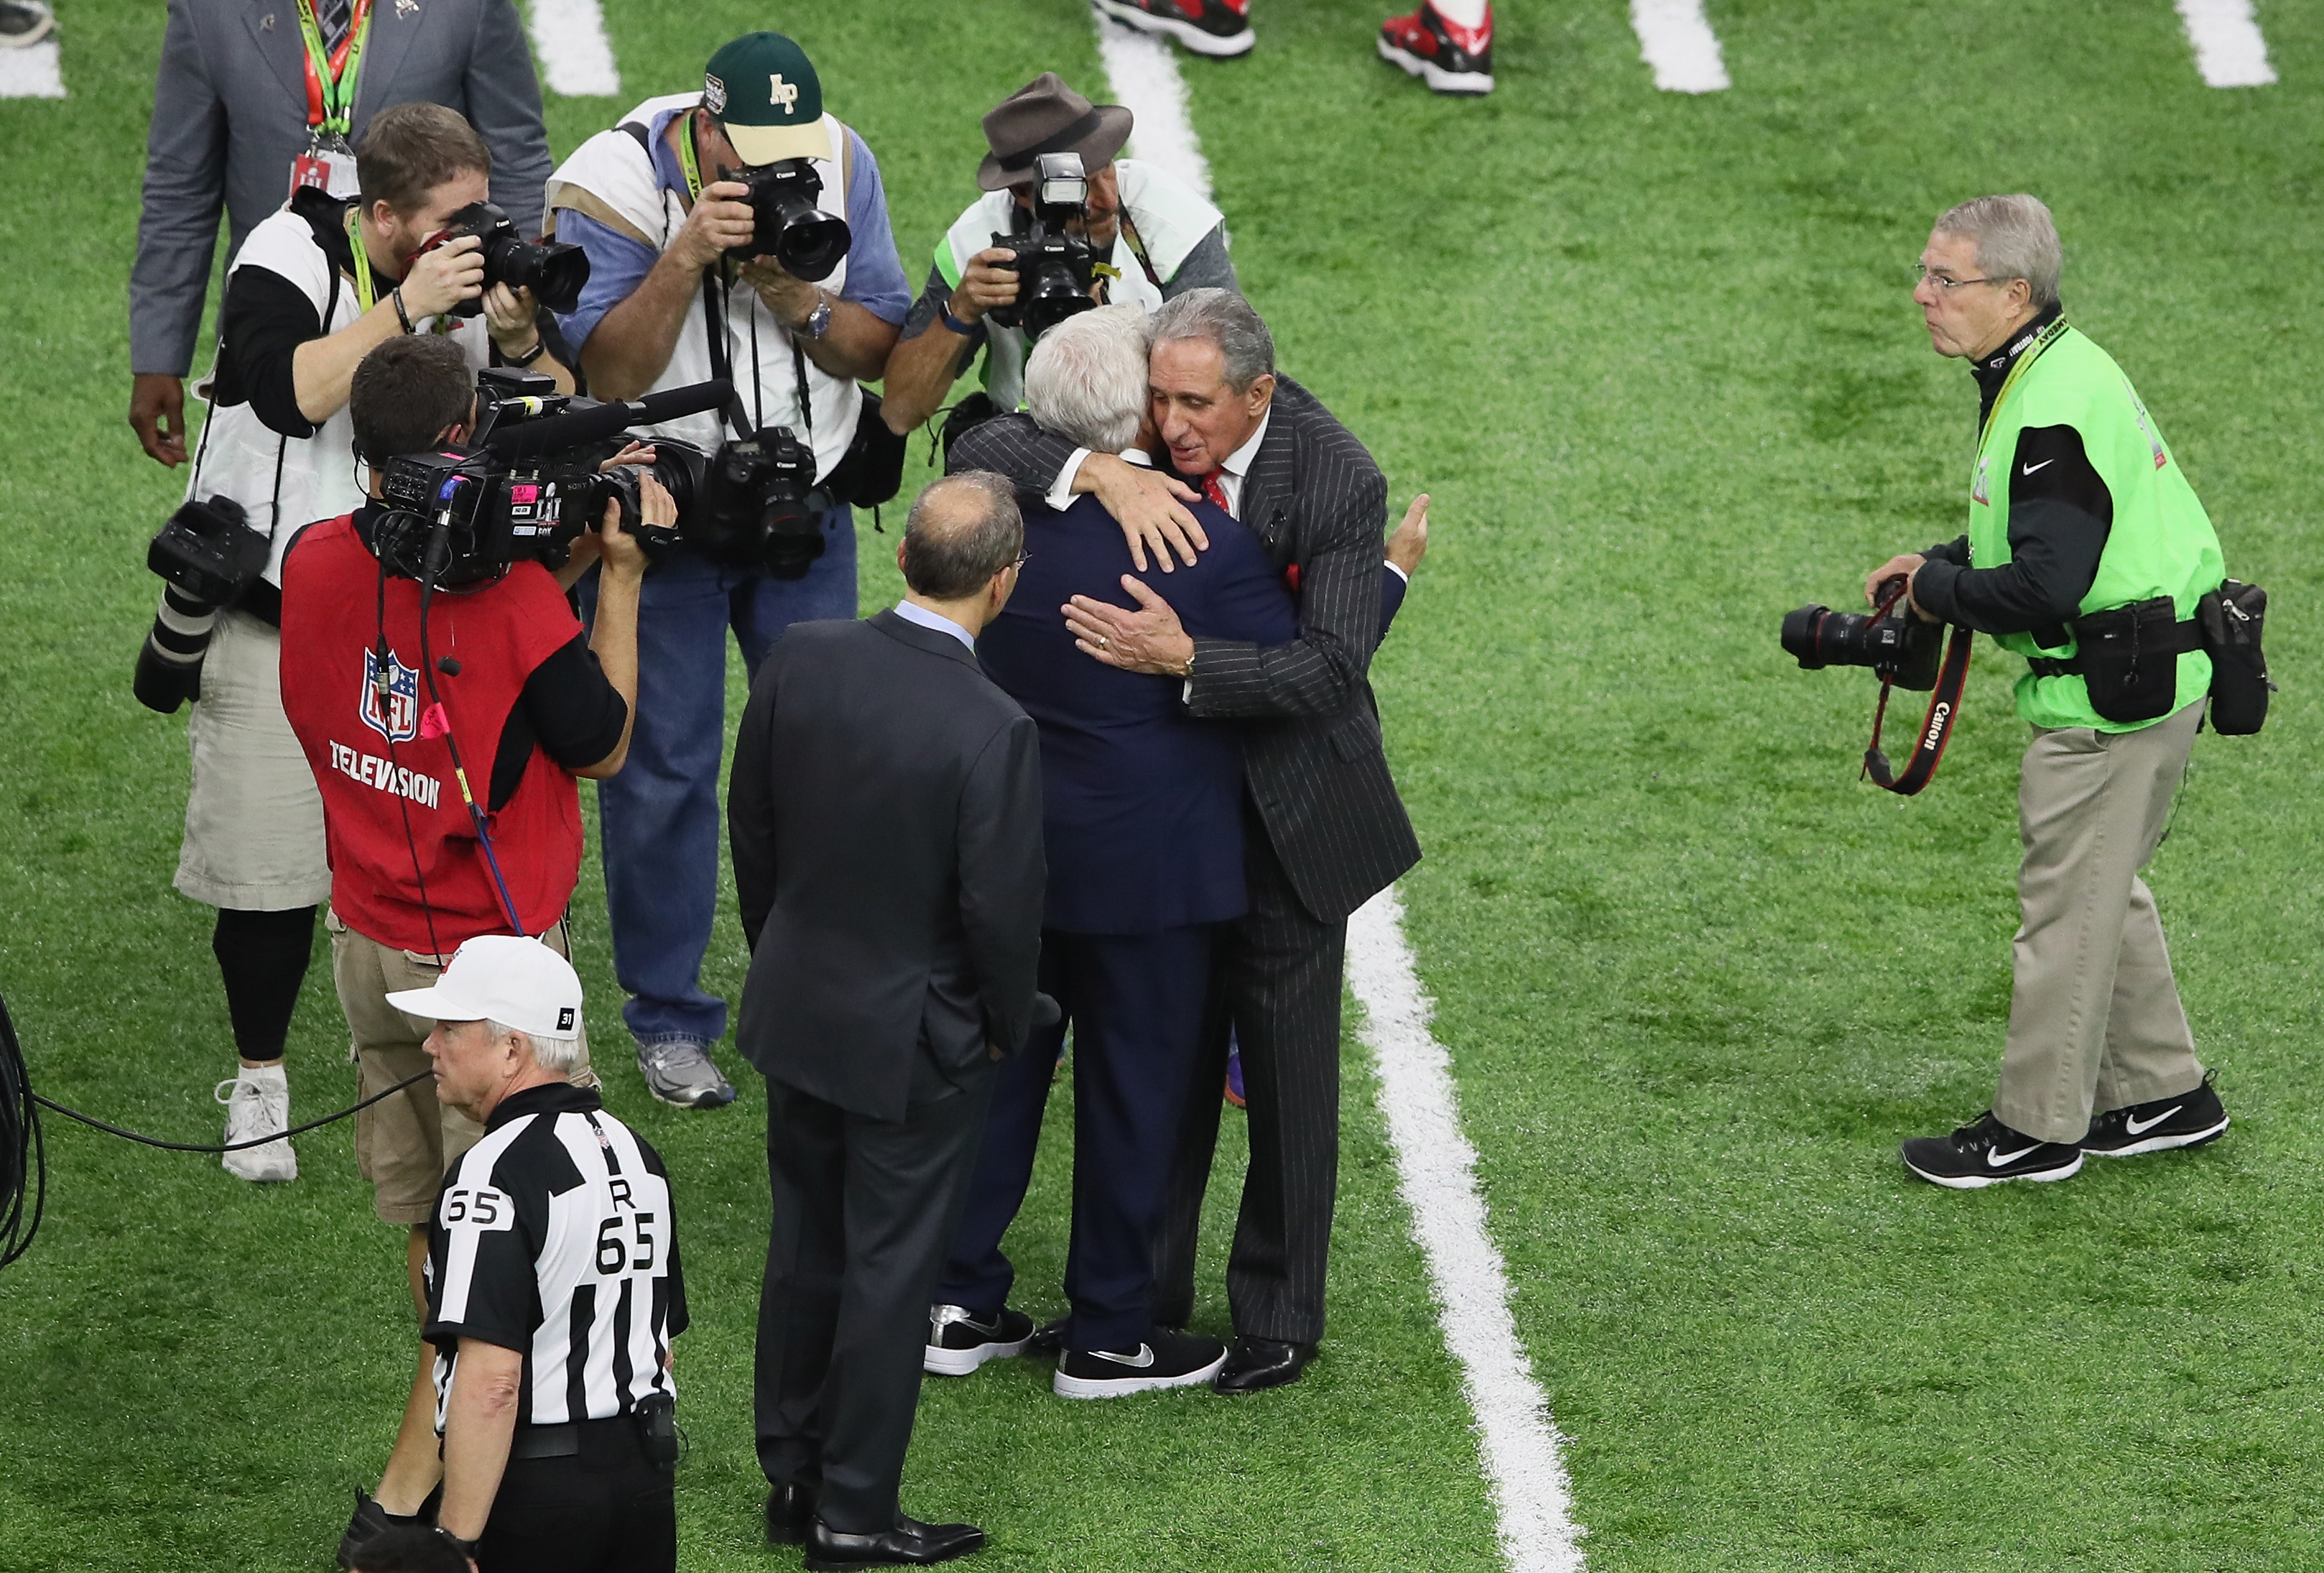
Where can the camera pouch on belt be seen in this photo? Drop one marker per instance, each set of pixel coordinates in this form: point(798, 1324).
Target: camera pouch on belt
point(2129, 658)
point(2229, 619)
point(657, 1420)
point(871, 471)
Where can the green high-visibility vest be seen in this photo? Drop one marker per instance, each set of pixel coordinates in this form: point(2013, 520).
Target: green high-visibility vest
point(2161, 543)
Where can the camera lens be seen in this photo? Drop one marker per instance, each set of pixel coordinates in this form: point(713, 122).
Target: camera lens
point(555, 274)
point(811, 244)
point(1055, 295)
point(1800, 636)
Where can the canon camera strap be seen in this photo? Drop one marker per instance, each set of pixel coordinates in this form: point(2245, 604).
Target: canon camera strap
point(1936, 727)
point(715, 287)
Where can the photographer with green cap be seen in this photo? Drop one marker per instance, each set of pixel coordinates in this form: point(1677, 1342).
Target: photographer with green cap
point(662, 205)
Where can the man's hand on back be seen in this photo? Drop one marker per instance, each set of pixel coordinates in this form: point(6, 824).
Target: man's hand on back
point(1149, 639)
point(157, 414)
point(1151, 506)
point(721, 220)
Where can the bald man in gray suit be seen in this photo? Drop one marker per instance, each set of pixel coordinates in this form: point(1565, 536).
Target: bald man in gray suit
point(230, 114)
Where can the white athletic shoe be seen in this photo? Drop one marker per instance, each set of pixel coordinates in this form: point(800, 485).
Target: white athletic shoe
point(258, 1104)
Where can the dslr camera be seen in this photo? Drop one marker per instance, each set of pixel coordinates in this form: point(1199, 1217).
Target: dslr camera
point(1054, 269)
point(1898, 646)
point(790, 224)
point(555, 273)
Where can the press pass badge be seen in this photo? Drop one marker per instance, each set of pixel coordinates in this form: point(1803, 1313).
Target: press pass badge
point(328, 165)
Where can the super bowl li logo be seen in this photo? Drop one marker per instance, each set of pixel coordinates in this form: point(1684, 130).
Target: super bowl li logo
point(391, 697)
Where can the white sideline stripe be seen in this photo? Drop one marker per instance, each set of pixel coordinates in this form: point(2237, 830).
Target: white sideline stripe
point(1436, 1171)
point(35, 71)
point(575, 56)
point(2229, 49)
point(1676, 40)
point(1435, 1166)
point(1145, 76)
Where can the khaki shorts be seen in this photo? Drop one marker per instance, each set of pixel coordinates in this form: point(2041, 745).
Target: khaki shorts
point(254, 817)
point(404, 1144)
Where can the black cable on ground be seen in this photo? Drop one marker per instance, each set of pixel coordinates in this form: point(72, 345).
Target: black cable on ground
point(24, 1156)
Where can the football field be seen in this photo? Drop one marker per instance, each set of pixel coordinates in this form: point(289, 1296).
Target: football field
point(1652, 354)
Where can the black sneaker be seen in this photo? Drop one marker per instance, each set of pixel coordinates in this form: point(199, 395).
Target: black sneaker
point(1986, 1153)
point(2187, 1120)
point(958, 1343)
point(1208, 27)
point(1165, 1359)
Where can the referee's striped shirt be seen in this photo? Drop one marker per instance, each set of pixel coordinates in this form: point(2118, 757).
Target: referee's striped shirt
point(554, 1236)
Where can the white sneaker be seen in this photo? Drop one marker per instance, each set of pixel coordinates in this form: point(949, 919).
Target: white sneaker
point(257, 1103)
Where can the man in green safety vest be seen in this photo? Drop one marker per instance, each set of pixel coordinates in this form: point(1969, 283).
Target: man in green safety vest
point(2086, 553)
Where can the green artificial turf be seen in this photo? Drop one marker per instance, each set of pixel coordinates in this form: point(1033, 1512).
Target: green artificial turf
point(1654, 358)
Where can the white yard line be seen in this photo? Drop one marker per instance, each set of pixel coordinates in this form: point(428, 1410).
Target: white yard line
point(1676, 40)
point(576, 58)
point(1437, 1171)
point(1435, 1165)
point(2229, 49)
point(1144, 71)
point(35, 71)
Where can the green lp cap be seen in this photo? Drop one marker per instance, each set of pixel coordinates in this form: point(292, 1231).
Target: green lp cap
point(764, 91)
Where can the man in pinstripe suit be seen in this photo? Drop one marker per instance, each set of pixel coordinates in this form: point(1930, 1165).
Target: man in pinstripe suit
point(1326, 830)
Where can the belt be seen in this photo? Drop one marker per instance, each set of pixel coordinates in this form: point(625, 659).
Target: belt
point(566, 1441)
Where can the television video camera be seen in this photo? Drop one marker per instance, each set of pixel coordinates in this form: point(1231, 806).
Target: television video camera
point(555, 273)
point(790, 225)
point(1055, 268)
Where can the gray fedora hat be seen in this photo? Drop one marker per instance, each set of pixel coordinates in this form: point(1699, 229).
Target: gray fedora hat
point(1045, 115)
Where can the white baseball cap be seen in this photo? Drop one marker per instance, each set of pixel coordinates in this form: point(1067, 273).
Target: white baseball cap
point(517, 982)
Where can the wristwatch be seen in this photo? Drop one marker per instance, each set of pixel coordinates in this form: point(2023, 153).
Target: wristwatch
point(818, 321)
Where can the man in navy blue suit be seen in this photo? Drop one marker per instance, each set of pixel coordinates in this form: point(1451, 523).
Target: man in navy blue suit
point(1142, 818)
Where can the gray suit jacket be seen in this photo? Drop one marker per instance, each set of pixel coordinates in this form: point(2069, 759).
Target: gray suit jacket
point(230, 114)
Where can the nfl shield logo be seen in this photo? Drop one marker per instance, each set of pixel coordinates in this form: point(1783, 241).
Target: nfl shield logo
point(394, 716)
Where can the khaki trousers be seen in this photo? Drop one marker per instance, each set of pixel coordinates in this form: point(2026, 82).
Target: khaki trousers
point(2095, 1022)
point(404, 1144)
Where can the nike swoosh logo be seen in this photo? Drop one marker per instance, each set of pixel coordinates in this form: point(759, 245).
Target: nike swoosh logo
point(2045, 464)
point(2138, 1129)
point(2000, 1160)
point(1137, 1362)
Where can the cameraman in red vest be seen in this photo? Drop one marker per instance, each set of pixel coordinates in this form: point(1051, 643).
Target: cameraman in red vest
point(447, 757)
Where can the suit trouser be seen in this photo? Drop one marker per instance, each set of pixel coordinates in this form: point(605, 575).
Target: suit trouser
point(864, 1209)
point(1137, 1006)
point(2095, 1021)
point(1279, 985)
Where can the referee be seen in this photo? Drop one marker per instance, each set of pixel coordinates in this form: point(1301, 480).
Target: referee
point(553, 1285)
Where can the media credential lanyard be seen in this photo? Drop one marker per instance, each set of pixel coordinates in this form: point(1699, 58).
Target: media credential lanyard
point(1944, 704)
point(328, 163)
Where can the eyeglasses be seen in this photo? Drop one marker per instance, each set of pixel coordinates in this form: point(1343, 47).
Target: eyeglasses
point(1921, 274)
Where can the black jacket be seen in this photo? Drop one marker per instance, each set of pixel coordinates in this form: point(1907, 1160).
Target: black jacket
point(885, 817)
point(1311, 733)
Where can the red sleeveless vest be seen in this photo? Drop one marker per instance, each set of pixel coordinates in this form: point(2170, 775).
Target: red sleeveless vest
point(395, 819)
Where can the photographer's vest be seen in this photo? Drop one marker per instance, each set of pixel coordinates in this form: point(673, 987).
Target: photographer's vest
point(1168, 218)
point(286, 483)
point(391, 800)
point(2161, 542)
point(612, 179)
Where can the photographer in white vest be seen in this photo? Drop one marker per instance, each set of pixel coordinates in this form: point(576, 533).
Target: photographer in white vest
point(1159, 237)
point(686, 284)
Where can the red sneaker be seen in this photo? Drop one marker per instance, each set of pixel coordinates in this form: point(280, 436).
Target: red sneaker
point(1208, 27)
point(1450, 58)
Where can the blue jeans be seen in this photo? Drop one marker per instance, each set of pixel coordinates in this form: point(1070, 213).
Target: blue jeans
point(660, 814)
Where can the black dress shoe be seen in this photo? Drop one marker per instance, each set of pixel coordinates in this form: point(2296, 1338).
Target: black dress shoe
point(790, 1513)
point(911, 1544)
point(1254, 1363)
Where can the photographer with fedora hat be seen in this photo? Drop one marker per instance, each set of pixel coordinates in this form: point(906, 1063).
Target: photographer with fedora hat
point(1158, 235)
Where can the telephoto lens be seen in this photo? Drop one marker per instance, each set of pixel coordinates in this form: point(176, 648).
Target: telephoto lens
point(1899, 646)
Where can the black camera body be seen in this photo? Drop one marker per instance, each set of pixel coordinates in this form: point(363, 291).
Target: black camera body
point(555, 273)
point(210, 551)
point(1054, 269)
point(755, 503)
point(790, 226)
point(1898, 646)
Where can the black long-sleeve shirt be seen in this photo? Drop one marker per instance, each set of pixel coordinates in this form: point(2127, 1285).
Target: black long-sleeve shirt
point(2059, 516)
